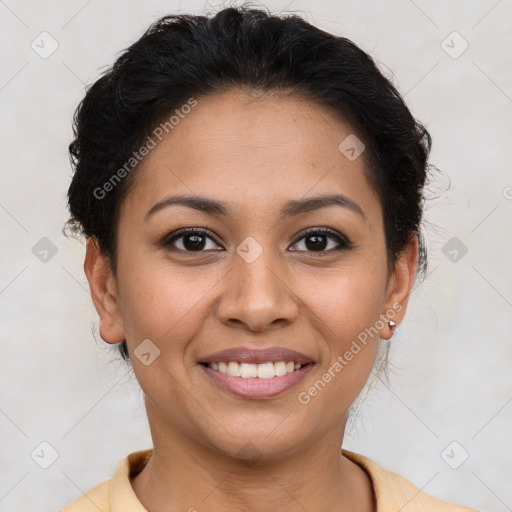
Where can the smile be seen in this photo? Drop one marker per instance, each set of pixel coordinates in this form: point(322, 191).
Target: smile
point(266, 370)
point(256, 381)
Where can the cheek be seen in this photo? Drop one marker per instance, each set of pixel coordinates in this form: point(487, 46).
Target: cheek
point(349, 300)
point(347, 307)
point(343, 307)
point(160, 304)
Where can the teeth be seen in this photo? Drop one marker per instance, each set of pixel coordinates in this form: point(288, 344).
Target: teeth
point(233, 369)
point(248, 370)
point(280, 368)
point(266, 371)
point(261, 371)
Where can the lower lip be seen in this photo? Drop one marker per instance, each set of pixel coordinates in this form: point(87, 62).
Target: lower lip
point(257, 388)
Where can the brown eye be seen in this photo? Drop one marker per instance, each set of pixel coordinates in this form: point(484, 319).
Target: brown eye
point(197, 240)
point(320, 240)
point(190, 239)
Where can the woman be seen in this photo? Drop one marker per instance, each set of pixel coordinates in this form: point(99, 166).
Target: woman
point(251, 191)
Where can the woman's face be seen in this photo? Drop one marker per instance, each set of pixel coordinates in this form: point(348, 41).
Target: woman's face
point(255, 281)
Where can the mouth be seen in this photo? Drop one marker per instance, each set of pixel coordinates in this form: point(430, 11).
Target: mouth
point(267, 384)
point(267, 370)
point(256, 373)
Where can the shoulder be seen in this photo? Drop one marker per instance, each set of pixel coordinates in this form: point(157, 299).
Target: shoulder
point(93, 500)
point(393, 491)
point(116, 494)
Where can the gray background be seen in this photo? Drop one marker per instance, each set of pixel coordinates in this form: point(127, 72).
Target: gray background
point(451, 380)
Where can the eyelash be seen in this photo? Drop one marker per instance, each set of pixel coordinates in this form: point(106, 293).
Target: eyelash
point(343, 242)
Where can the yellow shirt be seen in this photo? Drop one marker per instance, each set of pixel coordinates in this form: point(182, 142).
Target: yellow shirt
point(393, 492)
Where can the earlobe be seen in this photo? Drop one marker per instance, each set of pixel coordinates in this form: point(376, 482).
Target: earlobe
point(103, 293)
point(400, 286)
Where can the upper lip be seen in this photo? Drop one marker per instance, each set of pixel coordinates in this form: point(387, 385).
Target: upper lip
point(257, 356)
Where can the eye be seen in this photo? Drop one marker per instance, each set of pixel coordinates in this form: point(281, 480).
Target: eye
point(194, 240)
point(317, 240)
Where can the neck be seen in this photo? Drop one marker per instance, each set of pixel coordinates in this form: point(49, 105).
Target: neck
point(189, 474)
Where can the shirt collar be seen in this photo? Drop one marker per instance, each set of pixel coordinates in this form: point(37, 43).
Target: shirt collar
point(121, 494)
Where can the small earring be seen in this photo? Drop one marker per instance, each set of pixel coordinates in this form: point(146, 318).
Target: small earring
point(392, 327)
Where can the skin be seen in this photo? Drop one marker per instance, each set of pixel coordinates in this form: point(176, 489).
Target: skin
point(253, 154)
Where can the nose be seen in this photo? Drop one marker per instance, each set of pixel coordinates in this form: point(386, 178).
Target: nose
point(256, 296)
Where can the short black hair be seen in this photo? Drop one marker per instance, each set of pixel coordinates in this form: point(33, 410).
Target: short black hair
point(185, 56)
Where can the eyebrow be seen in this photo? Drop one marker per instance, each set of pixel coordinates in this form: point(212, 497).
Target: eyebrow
point(290, 208)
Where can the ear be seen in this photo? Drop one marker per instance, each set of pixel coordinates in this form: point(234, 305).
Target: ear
point(104, 293)
point(400, 285)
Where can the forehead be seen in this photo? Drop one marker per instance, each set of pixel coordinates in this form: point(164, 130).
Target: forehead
point(252, 150)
